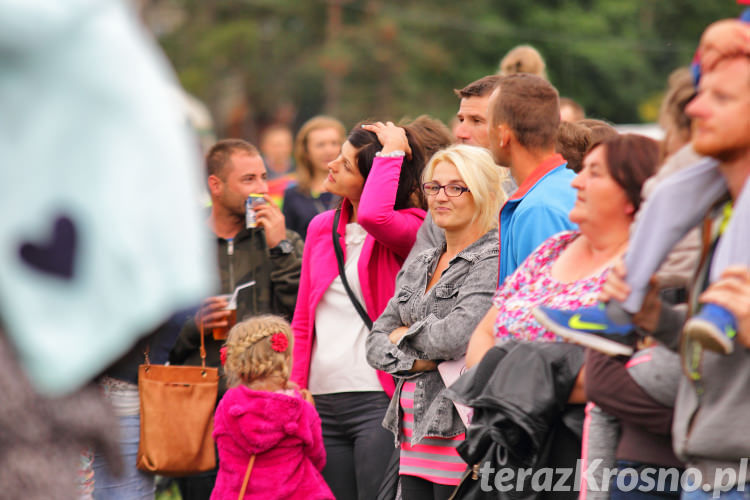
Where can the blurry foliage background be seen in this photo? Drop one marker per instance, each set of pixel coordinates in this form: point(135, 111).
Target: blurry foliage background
point(255, 62)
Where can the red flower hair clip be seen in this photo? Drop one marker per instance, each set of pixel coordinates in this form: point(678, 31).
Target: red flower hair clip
point(223, 355)
point(279, 342)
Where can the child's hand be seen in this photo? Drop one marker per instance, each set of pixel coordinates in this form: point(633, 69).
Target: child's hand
point(615, 287)
point(722, 39)
point(307, 396)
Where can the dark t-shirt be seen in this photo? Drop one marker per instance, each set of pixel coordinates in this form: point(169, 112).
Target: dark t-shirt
point(300, 208)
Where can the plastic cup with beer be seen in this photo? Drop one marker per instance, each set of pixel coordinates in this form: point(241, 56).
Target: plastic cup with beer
point(221, 333)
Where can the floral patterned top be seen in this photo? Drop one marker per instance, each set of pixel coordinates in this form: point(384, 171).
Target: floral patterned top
point(531, 285)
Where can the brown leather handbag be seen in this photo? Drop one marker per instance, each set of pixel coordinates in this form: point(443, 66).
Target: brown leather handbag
point(177, 417)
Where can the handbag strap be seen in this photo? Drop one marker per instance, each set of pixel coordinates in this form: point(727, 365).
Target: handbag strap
point(203, 345)
point(342, 272)
point(147, 350)
point(247, 477)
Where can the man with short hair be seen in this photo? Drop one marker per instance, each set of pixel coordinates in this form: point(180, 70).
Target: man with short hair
point(471, 130)
point(524, 116)
point(708, 430)
point(472, 111)
point(472, 119)
point(269, 254)
point(570, 110)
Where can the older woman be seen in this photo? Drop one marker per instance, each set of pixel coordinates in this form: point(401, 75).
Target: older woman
point(441, 295)
point(377, 174)
point(317, 144)
point(568, 270)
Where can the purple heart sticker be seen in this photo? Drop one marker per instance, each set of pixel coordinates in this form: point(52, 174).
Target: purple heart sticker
point(56, 254)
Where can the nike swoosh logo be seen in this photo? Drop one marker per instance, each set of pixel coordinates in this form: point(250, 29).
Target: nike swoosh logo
point(576, 323)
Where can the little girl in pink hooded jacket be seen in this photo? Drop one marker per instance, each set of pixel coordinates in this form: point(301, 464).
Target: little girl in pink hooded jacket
point(259, 415)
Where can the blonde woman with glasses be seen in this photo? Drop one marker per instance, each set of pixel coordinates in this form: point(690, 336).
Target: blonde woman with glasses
point(439, 299)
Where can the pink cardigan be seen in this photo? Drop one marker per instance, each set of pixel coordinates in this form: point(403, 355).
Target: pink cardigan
point(391, 234)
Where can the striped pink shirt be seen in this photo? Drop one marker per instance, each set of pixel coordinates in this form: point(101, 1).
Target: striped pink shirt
point(434, 459)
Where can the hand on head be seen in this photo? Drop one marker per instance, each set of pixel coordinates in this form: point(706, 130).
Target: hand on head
point(390, 136)
point(722, 39)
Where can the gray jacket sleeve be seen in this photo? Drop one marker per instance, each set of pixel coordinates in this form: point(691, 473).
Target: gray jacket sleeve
point(382, 354)
point(428, 236)
point(446, 338)
point(433, 337)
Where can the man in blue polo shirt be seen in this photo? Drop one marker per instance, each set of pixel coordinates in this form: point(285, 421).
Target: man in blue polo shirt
point(524, 114)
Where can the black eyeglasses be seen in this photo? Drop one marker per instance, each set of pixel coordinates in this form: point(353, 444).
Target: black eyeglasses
point(452, 190)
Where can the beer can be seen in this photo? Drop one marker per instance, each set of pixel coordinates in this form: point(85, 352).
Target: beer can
point(251, 218)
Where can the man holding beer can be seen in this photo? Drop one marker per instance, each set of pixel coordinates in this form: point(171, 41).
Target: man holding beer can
point(257, 257)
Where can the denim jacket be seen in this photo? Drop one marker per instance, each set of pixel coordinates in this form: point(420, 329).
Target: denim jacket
point(440, 324)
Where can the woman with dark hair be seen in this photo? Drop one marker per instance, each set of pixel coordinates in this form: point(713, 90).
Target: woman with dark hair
point(317, 144)
point(377, 175)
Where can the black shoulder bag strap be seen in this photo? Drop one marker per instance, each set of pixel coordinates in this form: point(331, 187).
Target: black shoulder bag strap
point(342, 272)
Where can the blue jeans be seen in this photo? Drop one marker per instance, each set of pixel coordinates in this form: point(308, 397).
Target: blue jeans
point(699, 494)
point(631, 491)
point(132, 484)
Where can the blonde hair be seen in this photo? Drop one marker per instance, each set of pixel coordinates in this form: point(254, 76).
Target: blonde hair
point(483, 178)
point(523, 59)
point(305, 167)
point(250, 355)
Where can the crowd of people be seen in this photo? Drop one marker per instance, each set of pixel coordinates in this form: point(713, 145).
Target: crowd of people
point(433, 313)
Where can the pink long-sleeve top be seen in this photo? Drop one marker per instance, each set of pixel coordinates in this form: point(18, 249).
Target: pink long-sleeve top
point(391, 234)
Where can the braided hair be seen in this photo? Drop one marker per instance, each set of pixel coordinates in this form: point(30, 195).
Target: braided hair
point(255, 350)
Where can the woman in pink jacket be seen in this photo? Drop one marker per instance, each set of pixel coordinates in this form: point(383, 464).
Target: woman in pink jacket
point(378, 176)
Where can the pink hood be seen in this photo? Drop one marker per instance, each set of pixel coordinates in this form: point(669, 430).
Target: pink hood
point(285, 435)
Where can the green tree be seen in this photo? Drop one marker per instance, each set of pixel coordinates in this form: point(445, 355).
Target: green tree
point(361, 59)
